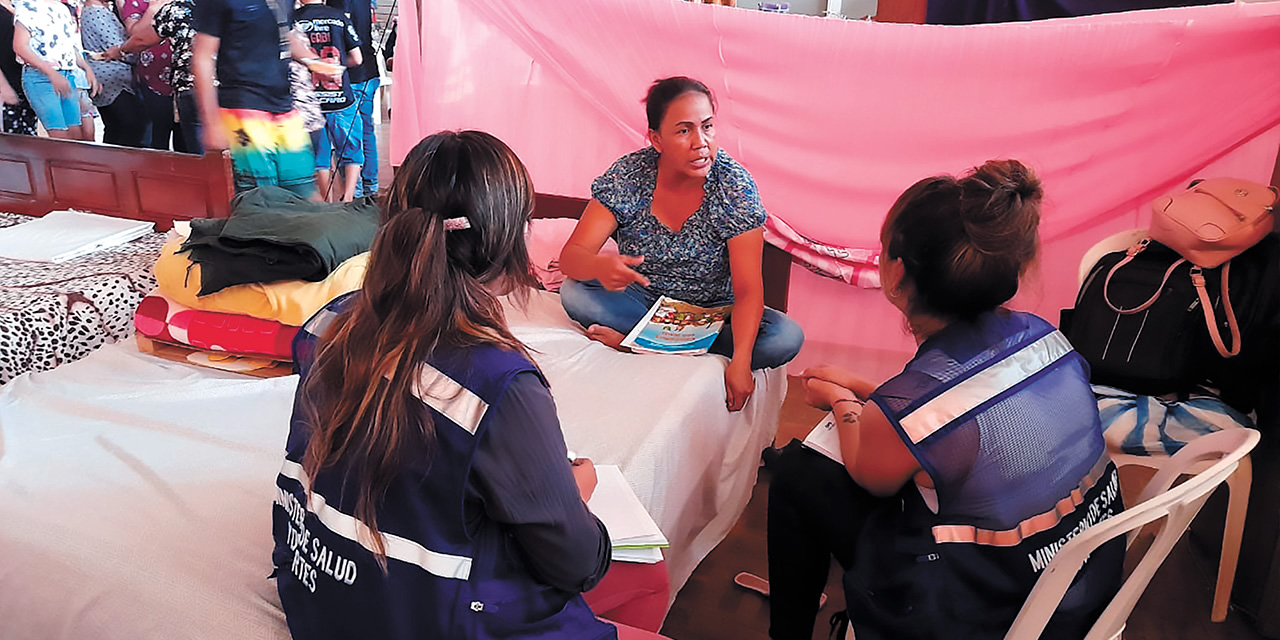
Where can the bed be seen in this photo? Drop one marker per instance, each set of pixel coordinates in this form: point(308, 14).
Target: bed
point(55, 313)
point(137, 491)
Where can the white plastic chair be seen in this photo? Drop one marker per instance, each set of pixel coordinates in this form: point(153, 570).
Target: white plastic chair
point(1238, 484)
point(1211, 459)
point(1110, 244)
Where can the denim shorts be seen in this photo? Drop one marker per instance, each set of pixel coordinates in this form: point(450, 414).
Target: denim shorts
point(56, 113)
point(344, 135)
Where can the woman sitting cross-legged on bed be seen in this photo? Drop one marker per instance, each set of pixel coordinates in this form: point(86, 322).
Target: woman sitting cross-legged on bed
point(963, 473)
point(689, 225)
point(425, 491)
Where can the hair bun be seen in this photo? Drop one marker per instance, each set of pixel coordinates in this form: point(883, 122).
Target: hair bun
point(965, 247)
point(1010, 176)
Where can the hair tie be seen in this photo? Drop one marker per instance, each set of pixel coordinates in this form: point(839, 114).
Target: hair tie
point(456, 224)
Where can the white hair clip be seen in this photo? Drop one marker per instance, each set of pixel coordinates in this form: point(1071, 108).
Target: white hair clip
point(456, 224)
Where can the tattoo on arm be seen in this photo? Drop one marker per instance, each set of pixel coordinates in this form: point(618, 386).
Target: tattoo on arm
point(850, 416)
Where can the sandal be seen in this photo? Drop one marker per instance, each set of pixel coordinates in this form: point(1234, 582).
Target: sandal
point(761, 586)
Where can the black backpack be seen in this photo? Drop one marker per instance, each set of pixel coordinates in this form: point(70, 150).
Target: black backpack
point(1166, 349)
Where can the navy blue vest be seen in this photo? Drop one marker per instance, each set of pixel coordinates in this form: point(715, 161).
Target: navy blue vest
point(446, 578)
point(1000, 415)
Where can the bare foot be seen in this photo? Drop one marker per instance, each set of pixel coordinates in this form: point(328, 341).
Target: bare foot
point(607, 336)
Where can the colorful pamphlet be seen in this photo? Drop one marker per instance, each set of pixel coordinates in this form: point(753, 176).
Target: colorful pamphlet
point(673, 326)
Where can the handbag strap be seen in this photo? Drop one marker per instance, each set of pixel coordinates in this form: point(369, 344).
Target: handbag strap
point(1129, 255)
point(1197, 279)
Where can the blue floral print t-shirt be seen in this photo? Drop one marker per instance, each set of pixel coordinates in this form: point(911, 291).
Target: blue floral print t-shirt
point(691, 264)
point(54, 34)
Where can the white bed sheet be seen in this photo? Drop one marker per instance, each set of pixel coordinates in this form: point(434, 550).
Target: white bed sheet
point(661, 418)
point(135, 493)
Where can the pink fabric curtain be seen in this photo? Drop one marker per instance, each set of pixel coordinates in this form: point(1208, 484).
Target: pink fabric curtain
point(834, 118)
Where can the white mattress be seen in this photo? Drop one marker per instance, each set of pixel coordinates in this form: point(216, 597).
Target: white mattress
point(135, 493)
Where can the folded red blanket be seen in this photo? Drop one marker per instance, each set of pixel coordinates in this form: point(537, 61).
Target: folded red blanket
point(162, 319)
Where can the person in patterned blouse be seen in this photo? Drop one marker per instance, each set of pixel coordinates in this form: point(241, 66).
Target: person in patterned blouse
point(689, 224)
point(117, 102)
point(154, 76)
point(170, 21)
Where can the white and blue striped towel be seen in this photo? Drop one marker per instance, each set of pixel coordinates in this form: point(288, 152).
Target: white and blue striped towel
point(1159, 426)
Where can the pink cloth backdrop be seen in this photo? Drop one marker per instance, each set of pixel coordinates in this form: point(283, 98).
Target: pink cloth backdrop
point(834, 118)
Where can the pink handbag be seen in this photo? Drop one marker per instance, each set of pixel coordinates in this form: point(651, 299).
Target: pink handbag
point(1214, 220)
point(1209, 223)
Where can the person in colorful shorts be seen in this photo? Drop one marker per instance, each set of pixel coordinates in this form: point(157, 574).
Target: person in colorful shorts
point(251, 112)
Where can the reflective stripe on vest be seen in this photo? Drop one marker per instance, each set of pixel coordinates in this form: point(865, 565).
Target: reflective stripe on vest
point(454, 401)
point(403, 549)
point(997, 378)
point(1035, 524)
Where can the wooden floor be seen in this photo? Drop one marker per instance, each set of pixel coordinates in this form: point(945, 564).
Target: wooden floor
point(710, 606)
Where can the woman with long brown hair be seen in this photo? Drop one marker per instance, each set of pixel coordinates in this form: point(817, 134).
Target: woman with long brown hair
point(426, 491)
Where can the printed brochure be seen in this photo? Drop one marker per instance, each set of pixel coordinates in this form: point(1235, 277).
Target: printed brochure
point(673, 326)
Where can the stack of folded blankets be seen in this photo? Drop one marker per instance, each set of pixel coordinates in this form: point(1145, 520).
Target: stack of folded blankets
point(243, 285)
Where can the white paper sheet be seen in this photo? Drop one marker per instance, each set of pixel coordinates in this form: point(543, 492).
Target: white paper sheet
point(59, 236)
point(617, 506)
point(825, 439)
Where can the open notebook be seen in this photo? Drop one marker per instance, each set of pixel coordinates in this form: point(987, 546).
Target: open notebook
point(633, 533)
point(59, 236)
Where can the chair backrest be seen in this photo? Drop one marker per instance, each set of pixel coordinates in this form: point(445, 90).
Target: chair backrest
point(1176, 507)
point(1117, 242)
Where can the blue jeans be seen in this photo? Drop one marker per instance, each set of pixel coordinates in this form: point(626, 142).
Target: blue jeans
point(342, 137)
point(56, 113)
point(363, 92)
point(588, 303)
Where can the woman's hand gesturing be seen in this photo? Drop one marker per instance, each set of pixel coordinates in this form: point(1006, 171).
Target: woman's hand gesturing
point(616, 272)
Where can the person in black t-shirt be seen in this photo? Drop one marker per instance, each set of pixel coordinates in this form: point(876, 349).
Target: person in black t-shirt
point(332, 38)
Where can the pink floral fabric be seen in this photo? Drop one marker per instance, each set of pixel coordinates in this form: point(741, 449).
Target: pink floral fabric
point(155, 64)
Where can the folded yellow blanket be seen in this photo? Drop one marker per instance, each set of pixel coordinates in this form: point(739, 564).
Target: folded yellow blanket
point(290, 302)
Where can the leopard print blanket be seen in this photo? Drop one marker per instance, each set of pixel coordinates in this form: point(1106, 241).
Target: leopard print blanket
point(56, 313)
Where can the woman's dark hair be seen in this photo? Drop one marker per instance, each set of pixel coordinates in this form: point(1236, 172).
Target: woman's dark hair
point(426, 287)
point(966, 241)
point(663, 92)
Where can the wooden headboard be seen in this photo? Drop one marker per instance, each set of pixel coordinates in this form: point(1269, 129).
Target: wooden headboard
point(39, 175)
point(776, 267)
